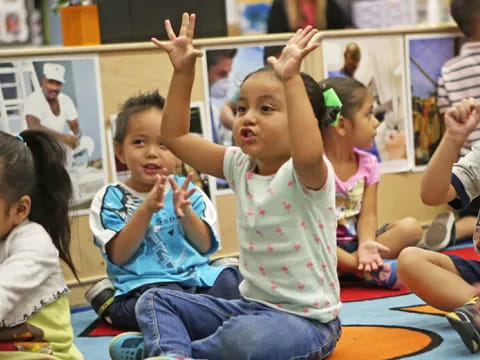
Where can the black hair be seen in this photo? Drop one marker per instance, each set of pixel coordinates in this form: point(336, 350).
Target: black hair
point(33, 165)
point(214, 56)
point(314, 92)
point(465, 13)
point(135, 105)
point(350, 91)
point(274, 50)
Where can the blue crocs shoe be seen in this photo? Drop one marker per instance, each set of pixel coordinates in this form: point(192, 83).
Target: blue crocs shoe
point(127, 346)
point(386, 277)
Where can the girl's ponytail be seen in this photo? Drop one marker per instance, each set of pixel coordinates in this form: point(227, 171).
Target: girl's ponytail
point(51, 190)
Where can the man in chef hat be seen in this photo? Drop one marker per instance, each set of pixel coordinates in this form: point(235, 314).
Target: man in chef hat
point(49, 109)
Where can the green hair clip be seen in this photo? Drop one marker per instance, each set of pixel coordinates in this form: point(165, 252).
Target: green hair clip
point(333, 102)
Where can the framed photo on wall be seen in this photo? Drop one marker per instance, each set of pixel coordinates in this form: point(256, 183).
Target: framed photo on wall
point(379, 64)
point(426, 55)
point(63, 96)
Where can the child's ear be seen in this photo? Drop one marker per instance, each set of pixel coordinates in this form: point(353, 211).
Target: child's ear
point(22, 209)
point(341, 127)
point(119, 152)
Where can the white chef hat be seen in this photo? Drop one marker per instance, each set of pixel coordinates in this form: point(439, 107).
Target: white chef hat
point(54, 72)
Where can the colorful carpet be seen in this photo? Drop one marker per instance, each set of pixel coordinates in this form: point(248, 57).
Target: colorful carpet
point(377, 324)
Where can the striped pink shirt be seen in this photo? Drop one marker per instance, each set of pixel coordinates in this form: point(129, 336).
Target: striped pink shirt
point(460, 79)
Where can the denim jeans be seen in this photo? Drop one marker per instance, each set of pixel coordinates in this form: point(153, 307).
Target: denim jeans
point(204, 327)
point(122, 310)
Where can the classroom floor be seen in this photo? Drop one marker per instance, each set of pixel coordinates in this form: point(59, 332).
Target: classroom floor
point(377, 324)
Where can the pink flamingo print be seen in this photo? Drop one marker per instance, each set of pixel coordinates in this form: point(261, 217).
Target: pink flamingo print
point(262, 270)
point(274, 286)
point(259, 233)
point(270, 248)
point(297, 246)
point(240, 163)
point(317, 239)
point(316, 303)
point(234, 151)
point(249, 212)
point(302, 224)
point(251, 247)
point(250, 196)
point(310, 265)
point(249, 175)
point(305, 310)
point(321, 226)
point(286, 206)
point(324, 266)
point(279, 231)
point(261, 211)
point(290, 183)
point(300, 285)
point(284, 268)
point(270, 191)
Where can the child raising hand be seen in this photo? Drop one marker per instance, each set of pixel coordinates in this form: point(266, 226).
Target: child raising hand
point(448, 281)
point(286, 223)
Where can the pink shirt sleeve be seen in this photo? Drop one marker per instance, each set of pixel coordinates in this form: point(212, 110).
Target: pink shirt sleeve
point(368, 165)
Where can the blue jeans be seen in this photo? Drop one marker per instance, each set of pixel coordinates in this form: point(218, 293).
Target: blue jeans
point(122, 310)
point(205, 327)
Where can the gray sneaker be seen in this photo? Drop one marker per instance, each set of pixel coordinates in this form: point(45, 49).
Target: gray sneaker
point(441, 233)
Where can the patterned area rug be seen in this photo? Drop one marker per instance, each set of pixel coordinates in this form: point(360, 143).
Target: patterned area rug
point(377, 324)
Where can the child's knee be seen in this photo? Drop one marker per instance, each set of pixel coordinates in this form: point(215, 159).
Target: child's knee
point(408, 259)
point(145, 301)
point(412, 229)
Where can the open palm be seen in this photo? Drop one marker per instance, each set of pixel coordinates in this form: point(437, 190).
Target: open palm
point(181, 195)
point(292, 55)
point(180, 48)
point(369, 258)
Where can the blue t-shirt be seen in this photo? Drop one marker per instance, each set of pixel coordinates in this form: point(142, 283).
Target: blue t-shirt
point(165, 255)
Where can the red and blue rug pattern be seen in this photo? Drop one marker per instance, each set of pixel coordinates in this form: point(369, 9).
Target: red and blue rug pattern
point(377, 324)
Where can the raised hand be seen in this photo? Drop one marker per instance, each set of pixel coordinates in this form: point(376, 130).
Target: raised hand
point(294, 52)
point(181, 204)
point(462, 118)
point(154, 199)
point(180, 49)
point(369, 258)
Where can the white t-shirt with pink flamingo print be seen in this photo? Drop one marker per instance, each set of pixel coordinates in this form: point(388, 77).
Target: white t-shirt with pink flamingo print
point(287, 238)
